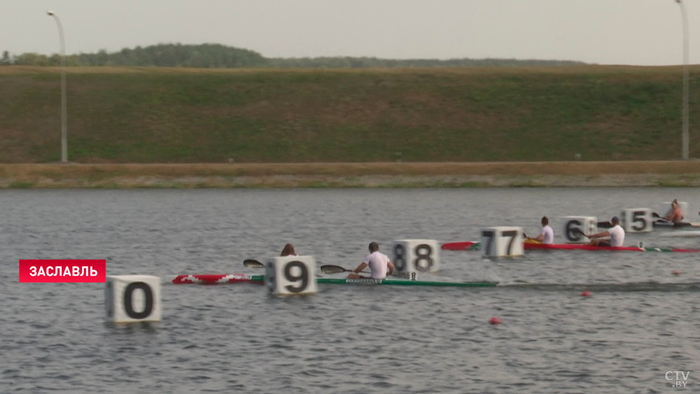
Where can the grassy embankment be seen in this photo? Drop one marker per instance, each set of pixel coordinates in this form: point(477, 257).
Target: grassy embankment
point(155, 115)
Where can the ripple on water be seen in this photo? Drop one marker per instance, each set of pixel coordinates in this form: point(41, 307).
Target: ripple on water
point(639, 322)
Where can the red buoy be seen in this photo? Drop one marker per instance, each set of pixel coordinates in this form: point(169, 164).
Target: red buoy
point(586, 294)
point(677, 272)
point(495, 320)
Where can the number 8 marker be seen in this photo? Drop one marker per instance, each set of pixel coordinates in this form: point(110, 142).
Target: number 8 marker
point(423, 257)
point(399, 259)
point(416, 255)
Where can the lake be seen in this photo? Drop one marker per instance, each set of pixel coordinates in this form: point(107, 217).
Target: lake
point(640, 322)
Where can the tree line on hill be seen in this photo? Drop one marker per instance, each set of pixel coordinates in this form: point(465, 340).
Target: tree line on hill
point(221, 56)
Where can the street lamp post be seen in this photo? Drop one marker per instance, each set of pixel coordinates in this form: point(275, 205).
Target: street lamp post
point(64, 111)
point(686, 86)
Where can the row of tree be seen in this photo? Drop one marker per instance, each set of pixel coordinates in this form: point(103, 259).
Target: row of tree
point(221, 56)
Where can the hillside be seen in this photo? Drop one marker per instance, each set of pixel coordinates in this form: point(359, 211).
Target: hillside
point(177, 115)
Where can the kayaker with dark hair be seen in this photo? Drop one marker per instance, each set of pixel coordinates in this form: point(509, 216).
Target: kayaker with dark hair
point(616, 234)
point(288, 250)
point(546, 235)
point(379, 264)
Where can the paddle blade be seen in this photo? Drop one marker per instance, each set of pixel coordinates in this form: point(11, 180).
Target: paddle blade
point(605, 224)
point(253, 263)
point(579, 232)
point(333, 269)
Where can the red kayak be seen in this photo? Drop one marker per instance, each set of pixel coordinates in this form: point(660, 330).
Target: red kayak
point(214, 279)
point(461, 245)
point(533, 246)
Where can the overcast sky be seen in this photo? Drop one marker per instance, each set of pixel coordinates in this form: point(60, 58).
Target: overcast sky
point(635, 32)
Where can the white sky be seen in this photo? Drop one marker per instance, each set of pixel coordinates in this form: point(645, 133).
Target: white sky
point(635, 32)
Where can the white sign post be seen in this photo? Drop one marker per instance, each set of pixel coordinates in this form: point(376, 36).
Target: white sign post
point(132, 298)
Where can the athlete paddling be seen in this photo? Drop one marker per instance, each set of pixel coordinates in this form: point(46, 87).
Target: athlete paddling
point(616, 234)
point(675, 215)
point(546, 234)
point(378, 263)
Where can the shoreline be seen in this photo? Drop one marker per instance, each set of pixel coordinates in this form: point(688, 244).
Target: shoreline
point(351, 175)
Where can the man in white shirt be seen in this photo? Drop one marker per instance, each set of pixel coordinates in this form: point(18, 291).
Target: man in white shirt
point(378, 263)
point(616, 234)
point(546, 235)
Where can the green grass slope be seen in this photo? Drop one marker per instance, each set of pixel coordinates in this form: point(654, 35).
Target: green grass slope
point(163, 115)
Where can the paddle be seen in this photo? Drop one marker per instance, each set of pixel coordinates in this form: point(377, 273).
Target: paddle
point(250, 263)
point(661, 218)
point(533, 239)
point(528, 238)
point(328, 269)
point(605, 224)
point(657, 216)
point(579, 231)
point(335, 269)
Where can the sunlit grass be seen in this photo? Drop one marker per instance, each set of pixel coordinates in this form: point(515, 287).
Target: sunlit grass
point(174, 115)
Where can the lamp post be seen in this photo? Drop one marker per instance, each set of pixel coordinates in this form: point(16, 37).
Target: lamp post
point(64, 111)
point(686, 86)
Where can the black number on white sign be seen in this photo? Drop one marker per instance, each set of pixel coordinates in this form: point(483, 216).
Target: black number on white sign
point(302, 276)
point(423, 261)
point(147, 302)
point(400, 257)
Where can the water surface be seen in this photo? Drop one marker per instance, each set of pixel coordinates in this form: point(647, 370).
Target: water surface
point(641, 321)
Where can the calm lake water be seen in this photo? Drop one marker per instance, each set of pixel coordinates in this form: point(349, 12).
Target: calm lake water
point(640, 322)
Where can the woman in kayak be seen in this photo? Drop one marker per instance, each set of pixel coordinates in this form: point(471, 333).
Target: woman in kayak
point(616, 234)
point(288, 250)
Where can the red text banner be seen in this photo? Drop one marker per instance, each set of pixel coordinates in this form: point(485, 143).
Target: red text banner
point(63, 271)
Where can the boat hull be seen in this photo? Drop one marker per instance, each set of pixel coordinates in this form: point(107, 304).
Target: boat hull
point(681, 234)
point(260, 279)
point(674, 226)
point(468, 245)
point(402, 282)
point(217, 279)
point(534, 246)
